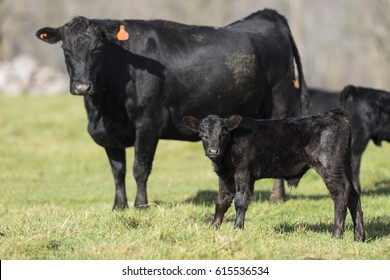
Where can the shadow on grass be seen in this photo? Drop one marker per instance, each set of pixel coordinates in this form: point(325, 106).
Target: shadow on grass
point(375, 228)
point(381, 188)
point(208, 197)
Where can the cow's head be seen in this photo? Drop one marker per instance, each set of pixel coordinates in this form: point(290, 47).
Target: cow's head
point(84, 43)
point(214, 132)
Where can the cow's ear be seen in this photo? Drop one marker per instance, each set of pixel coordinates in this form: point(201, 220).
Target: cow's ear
point(111, 29)
point(233, 122)
point(49, 35)
point(192, 123)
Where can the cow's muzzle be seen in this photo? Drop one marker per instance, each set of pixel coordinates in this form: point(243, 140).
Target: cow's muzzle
point(213, 153)
point(82, 89)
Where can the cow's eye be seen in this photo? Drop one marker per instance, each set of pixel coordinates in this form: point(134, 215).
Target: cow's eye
point(96, 51)
point(66, 52)
point(223, 134)
point(204, 137)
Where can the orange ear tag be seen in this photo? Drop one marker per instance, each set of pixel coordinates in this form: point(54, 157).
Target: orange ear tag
point(296, 84)
point(122, 35)
point(43, 35)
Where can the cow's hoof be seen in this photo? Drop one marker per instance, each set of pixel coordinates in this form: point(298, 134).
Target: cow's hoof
point(277, 198)
point(142, 206)
point(119, 207)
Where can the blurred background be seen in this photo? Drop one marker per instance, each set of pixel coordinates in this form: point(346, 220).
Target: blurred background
point(340, 42)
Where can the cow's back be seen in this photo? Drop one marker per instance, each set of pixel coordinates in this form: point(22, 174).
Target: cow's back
point(209, 70)
point(290, 146)
point(323, 100)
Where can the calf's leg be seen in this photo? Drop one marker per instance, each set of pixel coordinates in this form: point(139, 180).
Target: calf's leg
point(355, 209)
point(340, 212)
point(117, 158)
point(338, 188)
point(242, 197)
point(224, 200)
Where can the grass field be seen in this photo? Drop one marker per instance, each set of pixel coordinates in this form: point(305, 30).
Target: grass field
point(56, 194)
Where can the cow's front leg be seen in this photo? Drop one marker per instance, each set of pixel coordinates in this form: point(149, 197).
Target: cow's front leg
point(359, 144)
point(117, 158)
point(224, 200)
point(242, 197)
point(145, 148)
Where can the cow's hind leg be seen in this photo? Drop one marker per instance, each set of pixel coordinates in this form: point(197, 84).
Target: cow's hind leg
point(286, 104)
point(355, 209)
point(224, 200)
point(117, 158)
point(278, 191)
point(359, 144)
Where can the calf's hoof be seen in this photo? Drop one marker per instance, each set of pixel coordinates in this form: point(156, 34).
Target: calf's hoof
point(337, 235)
point(360, 237)
point(239, 226)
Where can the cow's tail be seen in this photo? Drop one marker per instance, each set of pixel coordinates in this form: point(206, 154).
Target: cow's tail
point(299, 83)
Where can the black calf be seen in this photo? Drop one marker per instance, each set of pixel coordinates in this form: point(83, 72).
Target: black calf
point(244, 150)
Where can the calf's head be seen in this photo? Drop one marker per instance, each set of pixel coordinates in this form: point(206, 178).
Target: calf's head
point(214, 132)
point(84, 43)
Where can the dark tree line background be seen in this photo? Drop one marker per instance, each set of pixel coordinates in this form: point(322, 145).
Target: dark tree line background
point(341, 42)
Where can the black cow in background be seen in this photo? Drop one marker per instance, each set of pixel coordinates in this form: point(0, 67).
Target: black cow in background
point(139, 78)
point(370, 115)
point(322, 100)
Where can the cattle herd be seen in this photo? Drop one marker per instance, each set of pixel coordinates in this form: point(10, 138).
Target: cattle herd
point(233, 87)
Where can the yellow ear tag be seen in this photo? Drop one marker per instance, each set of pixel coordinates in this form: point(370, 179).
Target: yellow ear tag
point(43, 35)
point(296, 84)
point(122, 35)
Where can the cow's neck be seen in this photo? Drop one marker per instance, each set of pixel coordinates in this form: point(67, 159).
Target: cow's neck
point(93, 105)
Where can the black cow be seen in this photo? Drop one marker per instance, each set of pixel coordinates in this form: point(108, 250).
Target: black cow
point(139, 78)
point(244, 150)
point(370, 114)
point(322, 100)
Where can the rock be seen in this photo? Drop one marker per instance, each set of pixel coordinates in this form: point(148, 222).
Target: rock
point(23, 75)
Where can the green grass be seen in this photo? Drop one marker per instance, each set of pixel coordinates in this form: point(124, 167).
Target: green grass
point(56, 194)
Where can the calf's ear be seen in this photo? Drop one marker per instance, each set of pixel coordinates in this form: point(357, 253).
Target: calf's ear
point(49, 35)
point(233, 122)
point(192, 123)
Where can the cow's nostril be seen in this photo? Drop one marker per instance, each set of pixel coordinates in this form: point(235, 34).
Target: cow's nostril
point(213, 151)
point(82, 88)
